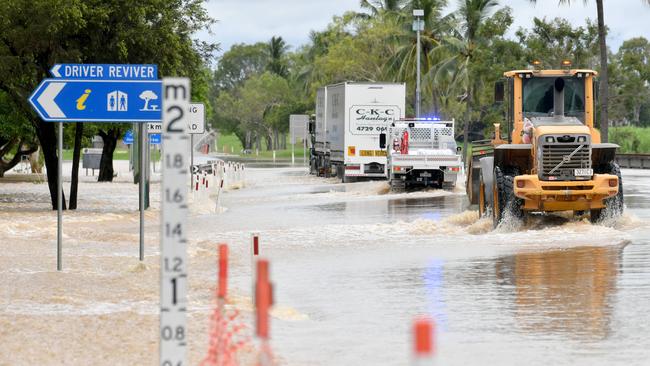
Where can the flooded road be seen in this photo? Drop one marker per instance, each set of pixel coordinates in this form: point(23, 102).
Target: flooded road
point(352, 266)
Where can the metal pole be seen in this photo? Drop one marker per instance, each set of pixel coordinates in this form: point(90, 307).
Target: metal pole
point(141, 150)
point(293, 153)
point(304, 150)
point(59, 202)
point(417, 85)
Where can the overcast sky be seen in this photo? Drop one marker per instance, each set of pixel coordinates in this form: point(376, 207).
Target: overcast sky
point(250, 21)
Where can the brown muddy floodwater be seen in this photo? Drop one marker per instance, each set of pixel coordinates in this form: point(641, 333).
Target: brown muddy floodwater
point(352, 265)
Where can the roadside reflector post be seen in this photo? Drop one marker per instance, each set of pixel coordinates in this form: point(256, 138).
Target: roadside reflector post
point(263, 301)
point(222, 289)
point(173, 236)
point(423, 341)
point(255, 248)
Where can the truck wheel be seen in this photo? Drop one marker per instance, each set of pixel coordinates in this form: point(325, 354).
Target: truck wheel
point(505, 202)
point(312, 167)
point(397, 185)
point(614, 206)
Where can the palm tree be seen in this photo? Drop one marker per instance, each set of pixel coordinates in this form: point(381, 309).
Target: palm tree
point(377, 7)
point(277, 50)
point(402, 63)
point(461, 47)
point(604, 78)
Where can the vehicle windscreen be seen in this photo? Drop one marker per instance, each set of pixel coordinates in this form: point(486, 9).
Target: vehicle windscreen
point(538, 97)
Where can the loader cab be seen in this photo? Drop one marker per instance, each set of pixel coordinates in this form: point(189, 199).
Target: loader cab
point(548, 98)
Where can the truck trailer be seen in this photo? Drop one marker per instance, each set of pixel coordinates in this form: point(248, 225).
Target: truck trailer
point(352, 115)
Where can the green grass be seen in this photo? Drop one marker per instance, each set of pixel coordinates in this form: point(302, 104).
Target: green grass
point(119, 154)
point(231, 144)
point(631, 139)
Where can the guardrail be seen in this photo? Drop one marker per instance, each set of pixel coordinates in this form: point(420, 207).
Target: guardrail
point(634, 161)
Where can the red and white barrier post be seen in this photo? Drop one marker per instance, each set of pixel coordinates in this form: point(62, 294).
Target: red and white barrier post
point(423, 341)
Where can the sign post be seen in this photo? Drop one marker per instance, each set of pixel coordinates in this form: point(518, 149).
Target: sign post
point(173, 239)
point(142, 139)
point(59, 203)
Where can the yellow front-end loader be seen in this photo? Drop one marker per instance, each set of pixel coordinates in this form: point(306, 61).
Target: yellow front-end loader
point(552, 158)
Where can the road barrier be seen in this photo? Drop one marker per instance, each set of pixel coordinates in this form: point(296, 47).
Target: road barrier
point(210, 180)
point(633, 161)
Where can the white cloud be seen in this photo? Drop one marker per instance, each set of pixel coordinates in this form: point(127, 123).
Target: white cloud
point(250, 21)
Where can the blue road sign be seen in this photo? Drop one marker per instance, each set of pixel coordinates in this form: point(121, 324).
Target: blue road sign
point(105, 71)
point(62, 100)
point(128, 138)
point(155, 139)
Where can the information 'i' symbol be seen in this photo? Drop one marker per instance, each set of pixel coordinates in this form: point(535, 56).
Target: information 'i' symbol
point(82, 100)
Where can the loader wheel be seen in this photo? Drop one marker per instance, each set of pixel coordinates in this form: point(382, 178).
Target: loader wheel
point(504, 197)
point(613, 206)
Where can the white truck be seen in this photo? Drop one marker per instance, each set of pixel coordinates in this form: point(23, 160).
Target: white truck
point(421, 152)
point(354, 115)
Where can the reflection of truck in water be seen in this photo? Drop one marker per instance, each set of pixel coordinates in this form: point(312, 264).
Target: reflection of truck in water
point(553, 159)
point(349, 118)
point(421, 152)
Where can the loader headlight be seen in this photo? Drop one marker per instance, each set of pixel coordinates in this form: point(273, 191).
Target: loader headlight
point(582, 138)
point(549, 139)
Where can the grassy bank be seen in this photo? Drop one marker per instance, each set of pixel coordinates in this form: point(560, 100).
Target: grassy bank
point(230, 144)
point(119, 154)
point(631, 139)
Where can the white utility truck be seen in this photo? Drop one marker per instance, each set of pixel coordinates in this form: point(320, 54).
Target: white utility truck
point(353, 116)
point(320, 154)
point(421, 152)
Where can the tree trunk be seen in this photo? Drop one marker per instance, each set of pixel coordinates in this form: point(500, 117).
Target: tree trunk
point(269, 142)
point(106, 171)
point(604, 79)
point(276, 140)
point(18, 156)
point(247, 145)
point(47, 137)
point(74, 177)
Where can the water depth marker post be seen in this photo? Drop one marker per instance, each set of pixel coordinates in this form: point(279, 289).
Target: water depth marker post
point(173, 237)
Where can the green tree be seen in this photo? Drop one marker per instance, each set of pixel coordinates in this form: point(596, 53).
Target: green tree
point(277, 50)
point(250, 106)
point(630, 80)
point(604, 83)
point(377, 7)
point(17, 137)
point(467, 38)
point(553, 41)
point(32, 39)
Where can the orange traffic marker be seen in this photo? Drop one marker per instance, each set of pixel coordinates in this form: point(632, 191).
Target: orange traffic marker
point(222, 289)
point(423, 334)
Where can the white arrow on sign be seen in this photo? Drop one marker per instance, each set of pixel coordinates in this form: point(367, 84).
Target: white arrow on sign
point(46, 100)
point(55, 71)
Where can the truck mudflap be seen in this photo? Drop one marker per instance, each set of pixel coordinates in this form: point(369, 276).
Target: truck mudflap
point(541, 195)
